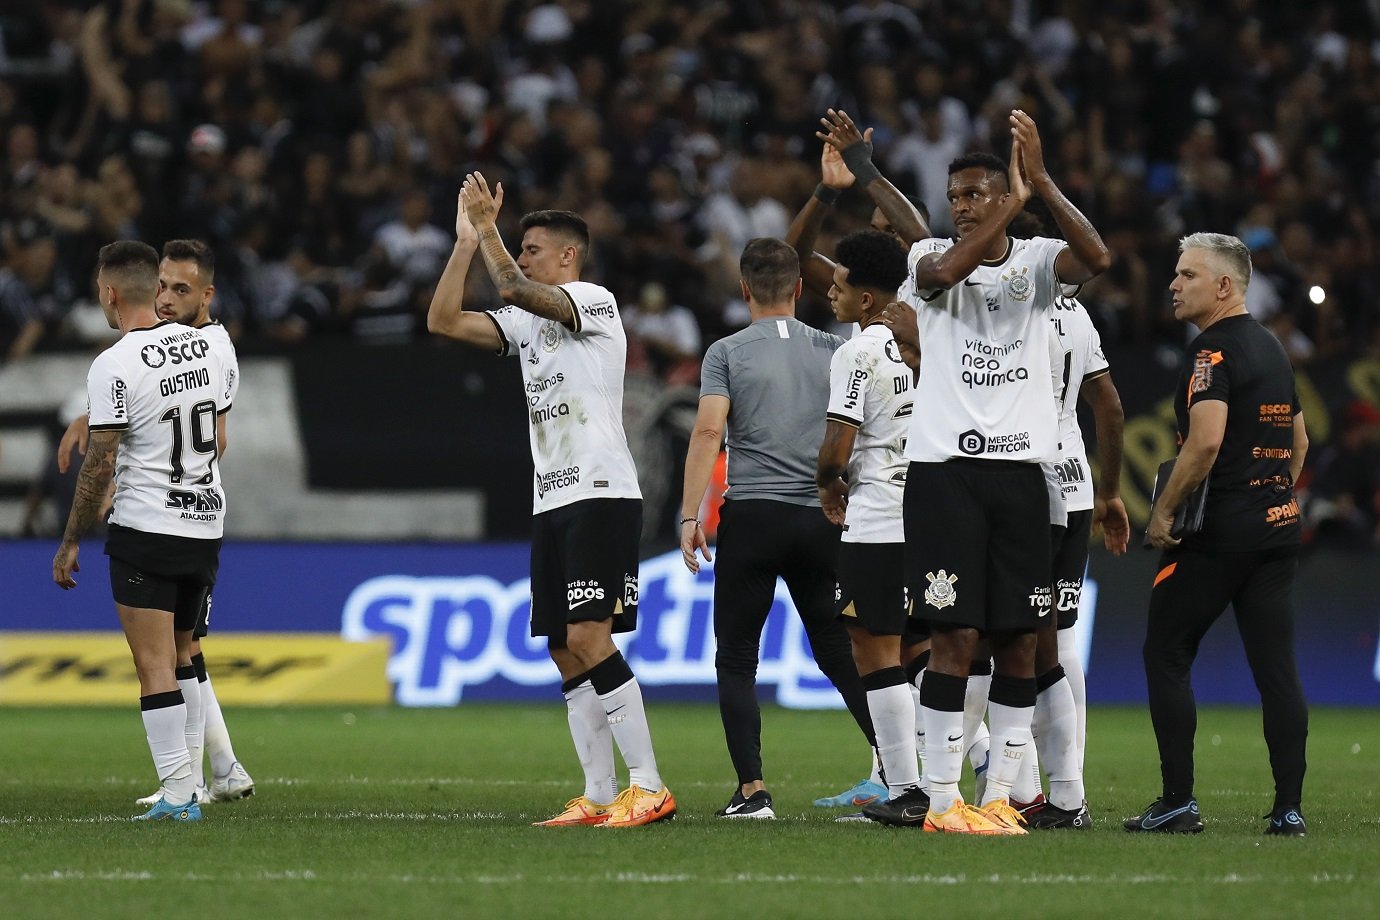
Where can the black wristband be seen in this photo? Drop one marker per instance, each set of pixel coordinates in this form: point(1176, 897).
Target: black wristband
point(827, 195)
point(858, 158)
point(684, 521)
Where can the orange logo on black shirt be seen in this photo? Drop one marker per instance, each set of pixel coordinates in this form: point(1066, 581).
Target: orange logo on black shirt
point(1203, 363)
point(1283, 515)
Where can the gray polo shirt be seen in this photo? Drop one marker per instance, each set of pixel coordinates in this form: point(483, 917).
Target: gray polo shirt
point(775, 374)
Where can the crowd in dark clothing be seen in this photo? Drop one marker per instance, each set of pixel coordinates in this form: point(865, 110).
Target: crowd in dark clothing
point(319, 146)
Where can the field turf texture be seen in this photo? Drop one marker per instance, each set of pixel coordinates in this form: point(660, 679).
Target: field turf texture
point(425, 813)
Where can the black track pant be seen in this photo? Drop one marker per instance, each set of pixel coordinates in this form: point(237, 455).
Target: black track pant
point(758, 541)
point(1192, 589)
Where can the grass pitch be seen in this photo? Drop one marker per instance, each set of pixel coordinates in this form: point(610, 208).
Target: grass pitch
point(412, 813)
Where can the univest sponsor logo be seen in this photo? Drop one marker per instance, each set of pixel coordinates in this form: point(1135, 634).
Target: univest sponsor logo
point(451, 634)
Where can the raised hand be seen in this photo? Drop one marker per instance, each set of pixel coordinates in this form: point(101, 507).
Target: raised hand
point(465, 234)
point(1020, 188)
point(481, 205)
point(834, 174)
point(840, 132)
point(1025, 134)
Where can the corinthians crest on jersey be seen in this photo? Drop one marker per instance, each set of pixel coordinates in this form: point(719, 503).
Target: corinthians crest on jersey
point(940, 593)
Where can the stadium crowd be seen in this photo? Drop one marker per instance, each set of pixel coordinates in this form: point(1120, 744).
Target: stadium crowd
point(319, 145)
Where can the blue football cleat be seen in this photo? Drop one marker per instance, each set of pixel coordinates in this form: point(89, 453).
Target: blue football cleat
point(162, 811)
point(864, 793)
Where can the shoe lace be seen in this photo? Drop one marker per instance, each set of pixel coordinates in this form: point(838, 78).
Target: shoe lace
point(623, 805)
point(1005, 812)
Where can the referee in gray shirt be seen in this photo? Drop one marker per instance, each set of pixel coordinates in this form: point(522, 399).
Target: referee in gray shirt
point(769, 384)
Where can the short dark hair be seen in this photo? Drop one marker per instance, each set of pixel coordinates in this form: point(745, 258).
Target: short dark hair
point(133, 264)
point(192, 251)
point(874, 260)
point(771, 269)
point(562, 223)
point(987, 161)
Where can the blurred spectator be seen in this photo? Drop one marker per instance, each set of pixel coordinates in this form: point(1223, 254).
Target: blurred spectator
point(414, 247)
point(32, 301)
point(667, 332)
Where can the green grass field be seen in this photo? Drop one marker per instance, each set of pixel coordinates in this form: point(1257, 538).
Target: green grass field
point(411, 813)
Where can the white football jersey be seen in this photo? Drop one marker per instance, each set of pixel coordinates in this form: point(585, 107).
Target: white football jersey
point(1079, 357)
point(870, 389)
point(984, 387)
point(163, 386)
point(574, 385)
point(215, 333)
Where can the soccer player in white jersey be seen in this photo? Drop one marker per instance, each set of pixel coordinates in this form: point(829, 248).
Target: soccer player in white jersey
point(1059, 726)
point(587, 507)
point(186, 288)
point(153, 399)
point(817, 271)
point(861, 474)
point(976, 509)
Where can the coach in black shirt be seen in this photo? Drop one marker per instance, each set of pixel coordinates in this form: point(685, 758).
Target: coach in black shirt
point(1240, 426)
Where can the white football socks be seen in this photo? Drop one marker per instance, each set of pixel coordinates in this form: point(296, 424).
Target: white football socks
point(191, 696)
point(919, 729)
point(893, 719)
point(166, 731)
point(1010, 740)
point(1056, 727)
point(589, 729)
point(944, 757)
point(215, 735)
point(627, 718)
point(1073, 671)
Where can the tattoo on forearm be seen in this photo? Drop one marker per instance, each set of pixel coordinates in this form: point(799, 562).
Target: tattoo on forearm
point(544, 300)
point(92, 484)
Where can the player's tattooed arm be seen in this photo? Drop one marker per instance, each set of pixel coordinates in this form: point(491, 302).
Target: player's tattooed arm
point(93, 483)
point(544, 300)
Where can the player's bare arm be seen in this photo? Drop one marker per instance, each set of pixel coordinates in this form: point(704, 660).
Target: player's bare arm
point(1109, 512)
point(1206, 427)
point(1300, 447)
point(545, 300)
point(447, 314)
point(831, 466)
point(815, 268)
point(705, 440)
point(942, 270)
point(855, 149)
point(1087, 256)
point(93, 482)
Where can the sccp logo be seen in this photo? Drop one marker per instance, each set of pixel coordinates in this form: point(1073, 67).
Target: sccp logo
point(153, 355)
point(972, 442)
